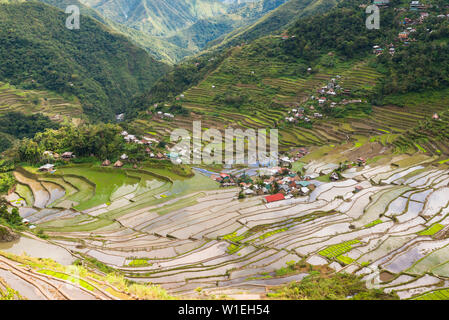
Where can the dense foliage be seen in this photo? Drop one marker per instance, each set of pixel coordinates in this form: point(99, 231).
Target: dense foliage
point(340, 286)
point(422, 65)
point(342, 31)
point(12, 218)
point(20, 125)
point(5, 142)
point(6, 178)
point(102, 140)
point(277, 20)
point(104, 70)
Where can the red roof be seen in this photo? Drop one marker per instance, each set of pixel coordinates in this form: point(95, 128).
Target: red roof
point(275, 197)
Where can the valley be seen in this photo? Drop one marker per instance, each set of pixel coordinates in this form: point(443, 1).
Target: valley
point(97, 204)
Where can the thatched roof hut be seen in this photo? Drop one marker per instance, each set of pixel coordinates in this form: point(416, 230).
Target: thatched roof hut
point(118, 164)
point(106, 163)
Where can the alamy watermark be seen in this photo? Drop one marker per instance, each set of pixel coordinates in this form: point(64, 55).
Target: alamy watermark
point(373, 20)
point(73, 20)
point(247, 147)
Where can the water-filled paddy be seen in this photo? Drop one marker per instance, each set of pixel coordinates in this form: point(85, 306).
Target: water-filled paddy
point(38, 249)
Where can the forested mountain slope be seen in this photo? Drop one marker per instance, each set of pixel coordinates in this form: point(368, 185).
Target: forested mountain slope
point(259, 84)
point(173, 30)
point(103, 69)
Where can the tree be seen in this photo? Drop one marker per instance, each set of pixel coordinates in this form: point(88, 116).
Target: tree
point(29, 151)
point(13, 218)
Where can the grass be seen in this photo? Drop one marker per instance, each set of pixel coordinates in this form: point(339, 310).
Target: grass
point(272, 233)
point(338, 249)
point(435, 295)
point(112, 282)
point(345, 260)
point(432, 230)
point(374, 223)
point(323, 286)
point(234, 248)
point(420, 148)
point(139, 263)
point(67, 277)
point(289, 269)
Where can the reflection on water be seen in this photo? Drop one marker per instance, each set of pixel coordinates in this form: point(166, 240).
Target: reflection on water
point(37, 249)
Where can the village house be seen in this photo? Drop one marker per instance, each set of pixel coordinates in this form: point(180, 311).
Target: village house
point(416, 6)
point(120, 117)
point(47, 168)
point(361, 161)
point(118, 164)
point(331, 92)
point(322, 100)
point(423, 16)
point(274, 198)
point(67, 155)
point(382, 3)
point(403, 35)
point(168, 115)
point(334, 176)
point(377, 50)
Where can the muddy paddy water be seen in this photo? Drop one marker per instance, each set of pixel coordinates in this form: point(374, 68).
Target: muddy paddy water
point(37, 249)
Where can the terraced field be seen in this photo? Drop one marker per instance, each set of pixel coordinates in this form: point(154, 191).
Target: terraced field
point(33, 101)
point(267, 91)
point(394, 232)
point(26, 278)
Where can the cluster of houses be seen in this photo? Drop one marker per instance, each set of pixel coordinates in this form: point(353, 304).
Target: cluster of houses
point(325, 93)
point(415, 5)
point(50, 155)
point(274, 181)
point(406, 36)
point(148, 141)
point(378, 50)
point(331, 89)
point(324, 99)
point(294, 115)
point(280, 183)
point(165, 115)
point(130, 138)
point(285, 36)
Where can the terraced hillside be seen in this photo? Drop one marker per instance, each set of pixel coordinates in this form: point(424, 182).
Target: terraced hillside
point(34, 101)
point(265, 91)
point(393, 232)
point(25, 278)
point(93, 197)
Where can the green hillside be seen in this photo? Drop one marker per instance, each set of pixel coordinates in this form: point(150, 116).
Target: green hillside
point(256, 85)
point(158, 47)
point(158, 17)
point(101, 68)
point(275, 21)
point(173, 30)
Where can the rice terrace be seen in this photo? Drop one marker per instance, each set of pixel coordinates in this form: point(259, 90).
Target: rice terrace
point(98, 201)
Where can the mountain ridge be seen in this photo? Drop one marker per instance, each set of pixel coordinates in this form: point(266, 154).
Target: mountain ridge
point(102, 68)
